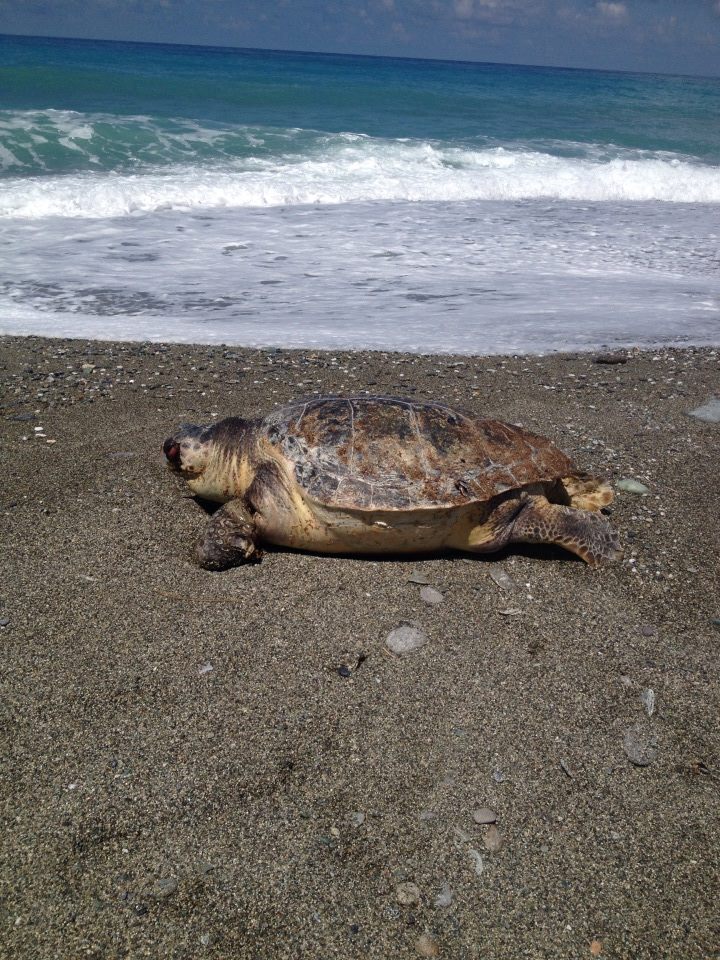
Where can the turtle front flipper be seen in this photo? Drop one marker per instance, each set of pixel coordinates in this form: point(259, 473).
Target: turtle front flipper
point(230, 539)
point(587, 534)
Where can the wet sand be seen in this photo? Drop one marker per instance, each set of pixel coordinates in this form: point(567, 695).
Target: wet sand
point(232, 765)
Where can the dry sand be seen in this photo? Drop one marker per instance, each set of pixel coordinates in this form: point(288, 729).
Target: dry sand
point(186, 770)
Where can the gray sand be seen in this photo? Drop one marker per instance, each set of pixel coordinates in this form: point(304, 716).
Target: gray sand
point(187, 772)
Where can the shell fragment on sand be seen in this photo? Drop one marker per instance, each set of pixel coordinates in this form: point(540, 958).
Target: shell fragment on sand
point(477, 861)
point(632, 486)
point(445, 897)
point(427, 946)
point(709, 412)
point(431, 596)
point(407, 894)
point(417, 577)
point(405, 639)
point(647, 698)
point(503, 579)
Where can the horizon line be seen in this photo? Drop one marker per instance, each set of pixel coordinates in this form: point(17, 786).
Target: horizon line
point(365, 56)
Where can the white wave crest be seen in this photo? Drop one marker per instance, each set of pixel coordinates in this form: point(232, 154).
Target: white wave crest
point(348, 170)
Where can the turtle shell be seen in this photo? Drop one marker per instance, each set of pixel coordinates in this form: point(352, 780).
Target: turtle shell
point(384, 453)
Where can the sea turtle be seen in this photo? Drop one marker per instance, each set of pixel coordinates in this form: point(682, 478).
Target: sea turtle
point(370, 475)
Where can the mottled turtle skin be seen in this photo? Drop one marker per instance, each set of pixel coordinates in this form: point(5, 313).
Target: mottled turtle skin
point(385, 475)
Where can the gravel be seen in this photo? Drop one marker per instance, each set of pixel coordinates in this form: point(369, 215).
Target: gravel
point(251, 766)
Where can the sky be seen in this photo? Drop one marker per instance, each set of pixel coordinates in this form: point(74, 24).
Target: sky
point(667, 36)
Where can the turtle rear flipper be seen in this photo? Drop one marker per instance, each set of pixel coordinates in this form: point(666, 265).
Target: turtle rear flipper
point(584, 533)
point(230, 539)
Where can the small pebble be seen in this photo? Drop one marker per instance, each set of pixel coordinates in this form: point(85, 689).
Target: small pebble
point(484, 815)
point(427, 946)
point(357, 819)
point(405, 639)
point(610, 359)
point(205, 668)
point(407, 894)
point(648, 630)
point(165, 888)
point(632, 486)
point(431, 595)
point(493, 839)
point(640, 746)
point(4, 622)
point(498, 775)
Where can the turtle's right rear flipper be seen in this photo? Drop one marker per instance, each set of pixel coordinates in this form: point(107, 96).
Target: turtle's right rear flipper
point(230, 539)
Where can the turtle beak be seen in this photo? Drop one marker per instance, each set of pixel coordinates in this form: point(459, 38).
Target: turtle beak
point(171, 449)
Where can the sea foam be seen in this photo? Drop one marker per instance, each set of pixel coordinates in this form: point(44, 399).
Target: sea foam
point(338, 169)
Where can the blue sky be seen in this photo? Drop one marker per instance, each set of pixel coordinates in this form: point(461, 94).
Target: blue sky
point(674, 36)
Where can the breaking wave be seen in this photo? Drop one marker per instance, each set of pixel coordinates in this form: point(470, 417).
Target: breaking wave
point(59, 163)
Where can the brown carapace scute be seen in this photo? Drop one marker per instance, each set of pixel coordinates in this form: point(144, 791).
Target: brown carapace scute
point(372, 475)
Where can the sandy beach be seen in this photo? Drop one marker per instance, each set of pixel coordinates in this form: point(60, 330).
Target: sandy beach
point(233, 765)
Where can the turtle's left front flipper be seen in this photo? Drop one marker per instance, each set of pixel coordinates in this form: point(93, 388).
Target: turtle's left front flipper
point(230, 539)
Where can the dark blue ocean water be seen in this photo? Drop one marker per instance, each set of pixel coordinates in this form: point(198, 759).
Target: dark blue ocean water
point(253, 196)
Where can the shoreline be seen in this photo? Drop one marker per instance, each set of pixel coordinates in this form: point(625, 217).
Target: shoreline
point(191, 773)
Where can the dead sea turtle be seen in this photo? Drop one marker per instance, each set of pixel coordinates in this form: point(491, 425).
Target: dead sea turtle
point(384, 475)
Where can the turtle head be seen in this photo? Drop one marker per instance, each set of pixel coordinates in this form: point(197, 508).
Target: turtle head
point(188, 450)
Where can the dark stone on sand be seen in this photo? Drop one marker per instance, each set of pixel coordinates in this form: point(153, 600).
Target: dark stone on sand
point(610, 359)
point(164, 888)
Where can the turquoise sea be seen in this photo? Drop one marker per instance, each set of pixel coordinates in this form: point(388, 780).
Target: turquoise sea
point(268, 198)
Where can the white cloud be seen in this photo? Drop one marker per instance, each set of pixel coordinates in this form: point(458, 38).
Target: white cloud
point(613, 11)
point(494, 11)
